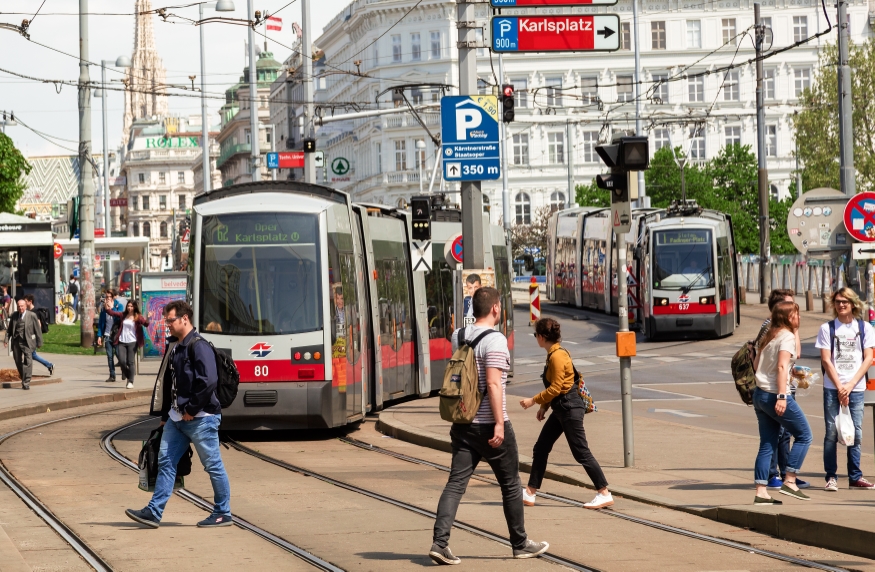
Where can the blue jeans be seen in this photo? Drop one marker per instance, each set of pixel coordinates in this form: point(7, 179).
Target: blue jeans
point(778, 467)
point(830, 438)
point(111, 350)
point(793, 421)
point(203, 433)
point(38, 359)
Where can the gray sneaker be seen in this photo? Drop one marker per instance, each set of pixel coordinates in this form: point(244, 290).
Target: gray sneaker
point(443, 555)
point(531, 549)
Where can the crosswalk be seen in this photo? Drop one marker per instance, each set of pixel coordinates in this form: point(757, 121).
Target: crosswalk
point(642, 358)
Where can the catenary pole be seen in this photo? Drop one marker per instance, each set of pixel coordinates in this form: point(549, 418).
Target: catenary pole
point(569, 142)
point(205, 126)
point(472, 195)
point(86, 188)
point(307, 79)
point(107, 221)
point(762, 172)
point(625, 362)
point(846, 110)
point(643, 201)
point(254, 135)
point(505, 189)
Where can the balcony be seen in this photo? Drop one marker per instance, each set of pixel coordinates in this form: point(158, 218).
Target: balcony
point(401, 177)
point(231, 151)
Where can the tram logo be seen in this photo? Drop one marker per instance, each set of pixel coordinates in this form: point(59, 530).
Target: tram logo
point(683, 299)
point(260, 350)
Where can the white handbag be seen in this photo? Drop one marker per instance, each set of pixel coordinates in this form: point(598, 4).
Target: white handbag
point(845, 426)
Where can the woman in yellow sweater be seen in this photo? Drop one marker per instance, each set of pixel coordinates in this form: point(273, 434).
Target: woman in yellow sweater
point(561, 395)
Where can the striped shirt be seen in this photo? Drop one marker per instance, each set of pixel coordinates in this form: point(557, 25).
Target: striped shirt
point(491, 351)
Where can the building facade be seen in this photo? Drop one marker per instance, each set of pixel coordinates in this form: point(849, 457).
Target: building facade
point(567, 103)
point(146, 78)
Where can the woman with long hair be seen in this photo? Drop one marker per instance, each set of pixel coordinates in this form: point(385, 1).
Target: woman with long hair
point(775, 406)
point(129, 337)
point(562, 396)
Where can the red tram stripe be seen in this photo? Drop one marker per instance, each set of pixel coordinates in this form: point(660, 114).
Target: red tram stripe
point(275, 370)
point(693, 308)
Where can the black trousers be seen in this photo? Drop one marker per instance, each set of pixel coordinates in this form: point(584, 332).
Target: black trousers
point(127, 359)
point(569, 422)
point(23, 357)
point(470, 445)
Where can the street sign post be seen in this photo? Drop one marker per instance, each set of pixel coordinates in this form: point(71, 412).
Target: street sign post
point(319, 159)
point(863, 251)
point(859, 217)
point(567, 33)
point(421, 251)
point(469, 130)
point(290, 160)
point(621, 217)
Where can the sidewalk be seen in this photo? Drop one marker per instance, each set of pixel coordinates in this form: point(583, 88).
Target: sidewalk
point(78, 380)
point(704, 472)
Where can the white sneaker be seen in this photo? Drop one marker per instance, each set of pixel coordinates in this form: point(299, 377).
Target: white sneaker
point(130, 385)
point(528, 500)
point(600, 501)
point(831, 485)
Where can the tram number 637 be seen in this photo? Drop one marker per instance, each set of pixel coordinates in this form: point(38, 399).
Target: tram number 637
point(261, 371)
point(680, 307)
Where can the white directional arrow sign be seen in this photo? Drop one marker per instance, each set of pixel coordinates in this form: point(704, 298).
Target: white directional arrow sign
point(863, 251)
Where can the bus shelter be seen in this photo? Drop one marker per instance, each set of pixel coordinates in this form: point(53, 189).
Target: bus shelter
point(112, 254)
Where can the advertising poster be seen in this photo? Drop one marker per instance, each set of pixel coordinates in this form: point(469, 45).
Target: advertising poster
point(157, 289)
point(473, 280)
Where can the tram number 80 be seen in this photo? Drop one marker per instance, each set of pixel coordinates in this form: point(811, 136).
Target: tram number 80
point(261, 371)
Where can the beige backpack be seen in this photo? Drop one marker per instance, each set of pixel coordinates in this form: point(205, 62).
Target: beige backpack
point(460, 395)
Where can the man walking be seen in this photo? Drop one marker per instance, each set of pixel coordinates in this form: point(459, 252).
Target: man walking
point(73, 290)
point(26, 335)
point(106, 324)
point(490, 436)
point(41, 315)
point(185, 398)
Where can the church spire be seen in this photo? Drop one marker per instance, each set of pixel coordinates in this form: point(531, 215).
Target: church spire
point(146, 78)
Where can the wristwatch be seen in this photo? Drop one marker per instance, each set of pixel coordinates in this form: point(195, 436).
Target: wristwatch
point(782, 396)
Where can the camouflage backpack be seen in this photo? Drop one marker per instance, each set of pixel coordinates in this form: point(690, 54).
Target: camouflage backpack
point(460, 395)
point(743, 371)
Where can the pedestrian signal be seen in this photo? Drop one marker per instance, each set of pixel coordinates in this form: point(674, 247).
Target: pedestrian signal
point(507, 103)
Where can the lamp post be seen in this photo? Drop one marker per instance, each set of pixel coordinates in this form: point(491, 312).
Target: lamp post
point(120, 62)
point(420, 157)
point(221, 6)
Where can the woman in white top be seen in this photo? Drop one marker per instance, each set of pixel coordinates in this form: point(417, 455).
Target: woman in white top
point(128, 337)
point(774, 405)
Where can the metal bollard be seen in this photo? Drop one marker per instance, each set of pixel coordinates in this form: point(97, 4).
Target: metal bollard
point(534, 301)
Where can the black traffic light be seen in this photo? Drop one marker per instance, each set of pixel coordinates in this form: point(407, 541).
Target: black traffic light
point(507, 103)
point(617, 183)
point(309, 145)
point(420, 208)
point(626, 153)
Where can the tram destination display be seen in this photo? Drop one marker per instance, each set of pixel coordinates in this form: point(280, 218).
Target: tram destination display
point(261, 228)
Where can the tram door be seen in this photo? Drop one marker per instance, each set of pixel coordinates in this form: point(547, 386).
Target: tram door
point(396, 328)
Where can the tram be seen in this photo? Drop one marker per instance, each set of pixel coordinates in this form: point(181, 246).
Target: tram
point(316, 300)
point(682, 280)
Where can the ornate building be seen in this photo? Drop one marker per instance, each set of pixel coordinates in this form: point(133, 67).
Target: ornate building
point(146, 78)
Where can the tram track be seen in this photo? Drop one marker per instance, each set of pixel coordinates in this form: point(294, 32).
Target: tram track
point(610, 512)
point(106, 443)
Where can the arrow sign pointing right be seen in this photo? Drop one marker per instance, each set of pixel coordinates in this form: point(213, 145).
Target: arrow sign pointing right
point(606, 32)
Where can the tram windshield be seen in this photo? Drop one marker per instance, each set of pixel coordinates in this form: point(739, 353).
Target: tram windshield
point(682, 260)
point(260, 274)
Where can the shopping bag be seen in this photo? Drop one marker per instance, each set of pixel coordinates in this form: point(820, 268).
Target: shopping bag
point(147, 463)
point(845, 426)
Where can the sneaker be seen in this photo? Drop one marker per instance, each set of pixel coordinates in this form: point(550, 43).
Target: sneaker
point(785, 490)
point(761, 500)
point(528, 500)
point(861, 485)
point(216, 520)
point(25, 387)
point(775, 483)
point(110, 379)
point(51, 369)
point(144, 516)
point(130, 385)
point(600, 501)
point(831, 485)
point(531, 549)
point(443, 555)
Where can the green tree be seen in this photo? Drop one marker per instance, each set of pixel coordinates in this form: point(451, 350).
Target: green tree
point(733, 173)
point(817, 125)
point(13, 168)
point(778, 237)
point(663, 179)
point(591, 196)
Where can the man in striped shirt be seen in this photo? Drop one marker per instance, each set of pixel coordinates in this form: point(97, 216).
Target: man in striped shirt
point(484, 438)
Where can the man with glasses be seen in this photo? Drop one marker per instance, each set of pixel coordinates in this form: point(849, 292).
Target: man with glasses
point(185, 398)
point(845, 345)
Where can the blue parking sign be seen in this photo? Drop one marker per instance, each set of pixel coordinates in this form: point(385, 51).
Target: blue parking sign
point(470, 137)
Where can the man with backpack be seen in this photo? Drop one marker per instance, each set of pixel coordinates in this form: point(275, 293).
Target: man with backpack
point(488, 435)
point(43, 315)
point(185, 397)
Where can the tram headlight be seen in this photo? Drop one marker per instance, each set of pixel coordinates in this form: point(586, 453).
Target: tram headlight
point(705, 300)
point(660, 301)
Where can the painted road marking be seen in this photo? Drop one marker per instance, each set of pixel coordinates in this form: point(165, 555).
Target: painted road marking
point(678, 412)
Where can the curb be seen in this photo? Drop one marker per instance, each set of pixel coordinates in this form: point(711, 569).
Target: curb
point(786, 527)
point(34, 381)
point(39, 408)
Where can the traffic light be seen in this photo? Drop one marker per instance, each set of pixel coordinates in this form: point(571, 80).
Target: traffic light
point(617, 183)
point(309, 145)
point(626, 153)
point(420, 208)
point(507, 103)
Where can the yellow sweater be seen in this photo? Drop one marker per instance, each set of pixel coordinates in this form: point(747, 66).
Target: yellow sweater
point(560, 374)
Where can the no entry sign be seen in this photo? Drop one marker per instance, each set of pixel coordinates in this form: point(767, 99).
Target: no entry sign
point(569, 33)
point(860, 217)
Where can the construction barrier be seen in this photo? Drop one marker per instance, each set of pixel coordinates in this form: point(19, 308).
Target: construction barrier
point(534, 301)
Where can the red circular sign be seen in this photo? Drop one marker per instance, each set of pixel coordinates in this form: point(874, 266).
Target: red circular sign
point(456, 250)
point(59, 251)
point(860, 217)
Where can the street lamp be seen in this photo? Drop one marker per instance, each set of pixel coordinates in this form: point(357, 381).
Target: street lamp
point(420, 158)
point(221, 6)
point(120, 62)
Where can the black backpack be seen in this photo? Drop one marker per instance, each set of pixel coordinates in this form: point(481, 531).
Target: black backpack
point(229, 377)
point(43, 316)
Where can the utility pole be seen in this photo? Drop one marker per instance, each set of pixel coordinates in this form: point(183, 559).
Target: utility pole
point(107, 221)
point(205, 126)
point(846, 111)
point(472, 195)
point(86, 188)
point(569, 134)
point(643, 201)
point(307, 79)
point(798, 172)
point(253, 98)
point(762, 172)
point(505, 189)
point(625, 362)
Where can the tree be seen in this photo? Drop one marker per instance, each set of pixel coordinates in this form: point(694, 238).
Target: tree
point(592, 196)
point(532, 238)
point(13, 168)
point(663, 179)
point(733, 173)
point(817, 125)
point(778, 236)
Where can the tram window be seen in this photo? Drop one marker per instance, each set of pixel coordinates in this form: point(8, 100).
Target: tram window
point(724, 267)
point(682, 260)
point(260, 274)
